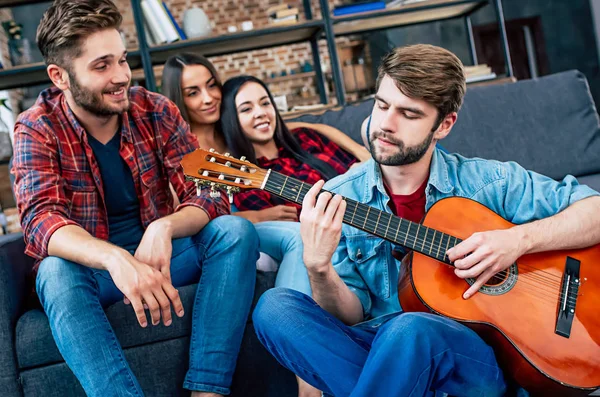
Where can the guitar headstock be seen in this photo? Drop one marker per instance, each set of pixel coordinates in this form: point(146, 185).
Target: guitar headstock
point(221, 171)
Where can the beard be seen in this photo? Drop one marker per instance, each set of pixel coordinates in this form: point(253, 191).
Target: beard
point(404, 155)
point(93, 102)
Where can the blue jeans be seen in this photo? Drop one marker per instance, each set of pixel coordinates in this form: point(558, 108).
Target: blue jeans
point(281, 241)
point(412, 354)
point(220, 258)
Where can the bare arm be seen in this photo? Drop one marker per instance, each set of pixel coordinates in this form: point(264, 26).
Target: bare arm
point(578, 226)
point(187, 221)
point(276, 213)
point(484, 254)
point(336, 136)
point(321, 228)
point(75, 244)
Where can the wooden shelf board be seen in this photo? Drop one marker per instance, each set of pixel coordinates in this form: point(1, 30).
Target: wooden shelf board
point(426, 11)
point(23, 76)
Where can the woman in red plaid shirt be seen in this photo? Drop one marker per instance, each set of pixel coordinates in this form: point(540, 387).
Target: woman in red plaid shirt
point(254, 128)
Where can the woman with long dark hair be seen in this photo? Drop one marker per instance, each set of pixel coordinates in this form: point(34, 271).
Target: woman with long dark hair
point(254, 128)
point(193, 84)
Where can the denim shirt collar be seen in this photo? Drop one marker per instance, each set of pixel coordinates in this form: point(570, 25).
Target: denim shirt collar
point(438, 177)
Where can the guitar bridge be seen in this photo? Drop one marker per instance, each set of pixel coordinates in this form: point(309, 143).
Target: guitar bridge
point(568, 298)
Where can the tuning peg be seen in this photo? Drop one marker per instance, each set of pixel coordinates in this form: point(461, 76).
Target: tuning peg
point(198, 188)
point(227, 154)
point(222, 177)
point(228, 164)
point(212, 159)
point(211, 150)
point(214, 193)
point(243, 168)
point(238, 180)
point(243, 158)
point(205, 173)
point(230, 194)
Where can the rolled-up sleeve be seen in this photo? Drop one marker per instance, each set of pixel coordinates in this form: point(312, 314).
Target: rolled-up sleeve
point(179, 141)
point(39, 189)
point(346, 269)
point(530, 196)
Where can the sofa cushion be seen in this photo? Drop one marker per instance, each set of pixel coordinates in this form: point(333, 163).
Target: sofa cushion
point(549, 125)
point(35, 345)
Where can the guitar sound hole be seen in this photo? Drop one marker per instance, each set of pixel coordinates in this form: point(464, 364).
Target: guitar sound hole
point(497, 279)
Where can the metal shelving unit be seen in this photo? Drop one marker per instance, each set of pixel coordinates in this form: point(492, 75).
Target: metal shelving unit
point(420, 13)
point(328, 28)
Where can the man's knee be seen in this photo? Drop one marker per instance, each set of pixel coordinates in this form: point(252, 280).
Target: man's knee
point(411, 325)
point(57, 277)
point(234, 230)
point(274, 307)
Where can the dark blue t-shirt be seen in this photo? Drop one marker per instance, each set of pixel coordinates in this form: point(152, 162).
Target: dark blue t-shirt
point(125, 227)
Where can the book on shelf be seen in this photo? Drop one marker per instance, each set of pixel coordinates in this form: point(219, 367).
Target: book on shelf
point(284, 13)
point(155, 31)
point(477, 73)
point(400, 3)
point(351, 9)
point(162, 28)
point(180, 31)
point(289, 20)
point(278, 7)
point(483, 77)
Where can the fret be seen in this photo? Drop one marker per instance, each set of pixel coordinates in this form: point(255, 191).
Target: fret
point(407, 232)
point(446, 250)
point(283, 186)
point(398, 229)
point(437, 254)
point(366, 217)
point(388, 225)
point(424, 240)
point(298, 195)
point(377, 222)
point(353, 213)
point(417, 235)
point(432, 241)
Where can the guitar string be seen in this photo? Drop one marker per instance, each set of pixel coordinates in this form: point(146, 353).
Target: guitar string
point(417, 240)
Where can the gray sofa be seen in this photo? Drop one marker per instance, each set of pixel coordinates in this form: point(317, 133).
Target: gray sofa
point(549, 125)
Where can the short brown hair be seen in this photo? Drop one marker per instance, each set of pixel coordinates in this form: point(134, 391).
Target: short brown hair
point(67, 22)
point(429, 73)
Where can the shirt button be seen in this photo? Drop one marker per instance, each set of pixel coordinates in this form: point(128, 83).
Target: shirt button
point(358, 254)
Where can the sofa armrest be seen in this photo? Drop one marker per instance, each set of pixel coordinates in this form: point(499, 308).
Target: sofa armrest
point(15, 268)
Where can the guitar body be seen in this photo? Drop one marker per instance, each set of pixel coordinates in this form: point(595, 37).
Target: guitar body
point(518, 322)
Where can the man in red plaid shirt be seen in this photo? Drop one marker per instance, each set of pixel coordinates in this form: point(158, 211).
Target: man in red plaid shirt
point(93, 162)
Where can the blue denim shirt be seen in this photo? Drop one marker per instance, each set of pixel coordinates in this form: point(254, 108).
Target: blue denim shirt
point(365, 263)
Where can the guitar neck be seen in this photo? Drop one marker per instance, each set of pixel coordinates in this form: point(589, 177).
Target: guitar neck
point(398, 230)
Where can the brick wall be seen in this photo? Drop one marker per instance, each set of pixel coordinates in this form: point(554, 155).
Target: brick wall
point(260, 63)
point(14, 96)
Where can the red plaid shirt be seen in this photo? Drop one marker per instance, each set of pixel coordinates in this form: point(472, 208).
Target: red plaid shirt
point(58, 181)
point(315, 144)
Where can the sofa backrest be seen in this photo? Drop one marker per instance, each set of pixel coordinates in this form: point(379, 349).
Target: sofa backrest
point(549, 125)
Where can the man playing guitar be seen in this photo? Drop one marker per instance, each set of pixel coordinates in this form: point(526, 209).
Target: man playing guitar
point(351, 337)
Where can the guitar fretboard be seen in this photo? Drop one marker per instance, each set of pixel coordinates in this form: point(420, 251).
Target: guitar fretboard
point(400, 231)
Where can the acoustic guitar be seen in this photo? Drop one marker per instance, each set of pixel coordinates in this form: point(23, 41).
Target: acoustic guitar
point(541, 315)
